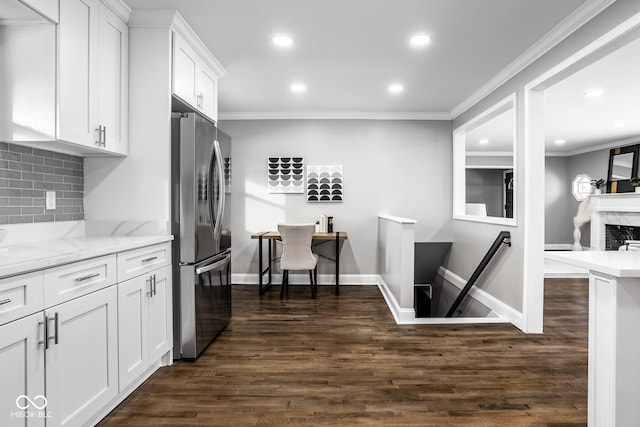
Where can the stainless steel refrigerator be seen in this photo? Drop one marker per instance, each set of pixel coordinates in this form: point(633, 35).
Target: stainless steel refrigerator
point(202, 236)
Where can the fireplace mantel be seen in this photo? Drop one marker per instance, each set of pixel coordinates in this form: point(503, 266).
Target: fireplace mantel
point(615, 209)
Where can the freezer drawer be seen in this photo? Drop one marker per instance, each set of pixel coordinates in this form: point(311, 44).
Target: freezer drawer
point(205, 303)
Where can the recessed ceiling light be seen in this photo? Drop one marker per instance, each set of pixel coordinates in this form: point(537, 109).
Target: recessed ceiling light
point(395, 88)
point(593, 93)
point(419, 40)
point(617, 125)
point(484, 141)
point(282, 40)
point(560, 141)
point(298, 88)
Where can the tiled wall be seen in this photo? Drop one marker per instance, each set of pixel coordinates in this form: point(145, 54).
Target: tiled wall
point(26, 173)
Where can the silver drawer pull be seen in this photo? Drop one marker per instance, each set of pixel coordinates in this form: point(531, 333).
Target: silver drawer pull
point(149, 259)
point(5, 301)
point(87, 277)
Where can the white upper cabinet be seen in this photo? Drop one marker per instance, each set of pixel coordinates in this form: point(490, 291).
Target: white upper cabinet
point(92, 76)
point(194, 80)
point(78, 71)
point(113, 85)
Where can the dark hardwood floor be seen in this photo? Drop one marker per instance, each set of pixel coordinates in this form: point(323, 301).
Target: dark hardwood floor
point(343, 361)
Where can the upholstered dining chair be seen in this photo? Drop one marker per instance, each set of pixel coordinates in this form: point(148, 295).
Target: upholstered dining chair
point(297, 254)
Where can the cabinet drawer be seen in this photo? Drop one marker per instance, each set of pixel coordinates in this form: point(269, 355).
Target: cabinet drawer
point(140, 261)
point(80, 278)
point(20, 296)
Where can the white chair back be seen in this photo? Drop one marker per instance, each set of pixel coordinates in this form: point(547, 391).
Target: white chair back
point(296, 251)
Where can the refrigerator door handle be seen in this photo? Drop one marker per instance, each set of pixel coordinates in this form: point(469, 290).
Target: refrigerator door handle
point(221, 191)
point(213, 266)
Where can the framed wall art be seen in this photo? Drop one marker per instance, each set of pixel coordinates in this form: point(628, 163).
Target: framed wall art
point(285, 175)
point(325, 184)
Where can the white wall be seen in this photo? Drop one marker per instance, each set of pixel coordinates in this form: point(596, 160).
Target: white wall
point(558, 226)
point(137, 187)
point(400, 168)
point(508, 281)
point(560, 205)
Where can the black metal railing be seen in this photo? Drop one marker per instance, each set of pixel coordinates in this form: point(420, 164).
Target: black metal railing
point(504, 237)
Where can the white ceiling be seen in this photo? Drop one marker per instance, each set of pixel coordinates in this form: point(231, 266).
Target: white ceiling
point(585, 122)
point(348, 51)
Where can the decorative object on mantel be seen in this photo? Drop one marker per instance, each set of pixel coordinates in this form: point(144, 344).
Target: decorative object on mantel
point(597, 183)
point(285, 175)
point(635, 183)
point(325, 184)
point(623, 164)
point(582, 217)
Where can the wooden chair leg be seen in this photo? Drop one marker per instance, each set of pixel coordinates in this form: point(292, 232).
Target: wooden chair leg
point(315, 278)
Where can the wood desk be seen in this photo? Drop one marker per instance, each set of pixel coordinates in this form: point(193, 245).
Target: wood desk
point(274, 236)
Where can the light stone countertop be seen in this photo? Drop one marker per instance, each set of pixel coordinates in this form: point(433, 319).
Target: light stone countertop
point(22, 258)
point(613, 263)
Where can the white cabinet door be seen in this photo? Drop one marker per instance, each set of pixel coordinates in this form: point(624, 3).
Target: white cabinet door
point(113, 83)
point(185, 63)
point(78, 71)
point(193, 80)
point(145, 323)
point(82, 358)
point(207, 92)
point(133, 326)
point(160, 314)
point(22, 373)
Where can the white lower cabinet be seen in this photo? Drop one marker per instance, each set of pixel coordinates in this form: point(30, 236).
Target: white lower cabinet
point(144, 317)
point(82, 357)
point(22, 393)
point(72, 339)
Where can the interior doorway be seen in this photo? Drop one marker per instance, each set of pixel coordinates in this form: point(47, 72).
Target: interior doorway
point(541, 138)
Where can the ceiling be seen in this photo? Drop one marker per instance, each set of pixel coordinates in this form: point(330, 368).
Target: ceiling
point(572, 114)
point(347, 52)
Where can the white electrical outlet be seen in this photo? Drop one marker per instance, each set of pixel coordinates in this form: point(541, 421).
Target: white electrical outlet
point(50, 200)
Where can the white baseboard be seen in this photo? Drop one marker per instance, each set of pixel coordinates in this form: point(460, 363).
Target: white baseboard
point(503, 310)
point(402, 316)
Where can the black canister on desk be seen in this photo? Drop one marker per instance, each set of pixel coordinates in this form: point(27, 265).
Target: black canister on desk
point(330, 224)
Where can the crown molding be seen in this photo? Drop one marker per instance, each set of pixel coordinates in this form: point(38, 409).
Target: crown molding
point(332, 115)
point(119, 8)
point(564, 29)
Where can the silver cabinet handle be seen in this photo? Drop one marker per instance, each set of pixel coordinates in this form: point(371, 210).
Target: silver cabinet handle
point(44, 341)
point(56, 325)
point(102, 135)
point(150, 293)
point(149, 259)
point(154, 285)
point(87, 277)
point(5, 301)
point(99, 130)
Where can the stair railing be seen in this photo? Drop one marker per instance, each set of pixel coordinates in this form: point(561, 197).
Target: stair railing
point(504, 237)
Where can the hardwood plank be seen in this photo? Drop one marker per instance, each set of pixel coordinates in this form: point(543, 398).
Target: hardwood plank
point(342, 360)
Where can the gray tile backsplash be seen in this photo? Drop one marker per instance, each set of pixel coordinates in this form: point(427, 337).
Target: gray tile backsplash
point(26, 173)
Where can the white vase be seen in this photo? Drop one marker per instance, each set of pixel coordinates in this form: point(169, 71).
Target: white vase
point(597, 191)
point(637, 189)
